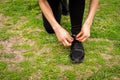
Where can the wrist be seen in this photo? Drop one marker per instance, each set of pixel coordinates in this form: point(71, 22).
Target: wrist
point(56, 27)
point(88, 21)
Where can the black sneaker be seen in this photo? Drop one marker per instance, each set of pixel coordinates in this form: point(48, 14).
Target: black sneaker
point(77, 51)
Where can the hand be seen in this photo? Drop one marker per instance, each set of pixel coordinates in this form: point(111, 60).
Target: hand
point(84, 33)
point(64, 37)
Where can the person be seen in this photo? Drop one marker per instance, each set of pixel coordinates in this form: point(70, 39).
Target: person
point(51, 14)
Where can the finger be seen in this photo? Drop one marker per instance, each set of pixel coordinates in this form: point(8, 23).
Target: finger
point(81, 38)
point(67, 43)
point(70, 39)
point(79, 34)
point(64, 43)
point(85, 38)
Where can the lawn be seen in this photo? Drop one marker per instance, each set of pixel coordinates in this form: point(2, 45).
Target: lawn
point(28, 52)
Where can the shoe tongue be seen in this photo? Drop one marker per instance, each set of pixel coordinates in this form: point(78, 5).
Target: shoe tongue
point(77, 45)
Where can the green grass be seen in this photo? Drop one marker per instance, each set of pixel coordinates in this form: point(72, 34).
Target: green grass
point(3, 65)
point(28, 52)
point(106, 24)
point(106, 73)
point(7, 55)
point(4, 34)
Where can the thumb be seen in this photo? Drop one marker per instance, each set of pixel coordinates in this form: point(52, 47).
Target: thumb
point(79, 34)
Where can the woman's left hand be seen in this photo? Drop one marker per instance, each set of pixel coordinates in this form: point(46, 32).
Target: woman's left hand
point(84, 33)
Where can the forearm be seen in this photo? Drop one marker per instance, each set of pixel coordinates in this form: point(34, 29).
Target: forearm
point(47, 11)
point(92, 10)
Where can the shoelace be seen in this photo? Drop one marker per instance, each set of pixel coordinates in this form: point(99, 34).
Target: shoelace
point(77, 44)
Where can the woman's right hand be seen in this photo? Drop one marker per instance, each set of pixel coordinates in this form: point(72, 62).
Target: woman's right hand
point(63, 36)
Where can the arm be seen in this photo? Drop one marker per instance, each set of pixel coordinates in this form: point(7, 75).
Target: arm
point(85, 31)
point(47, 11)
point(62, 35)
